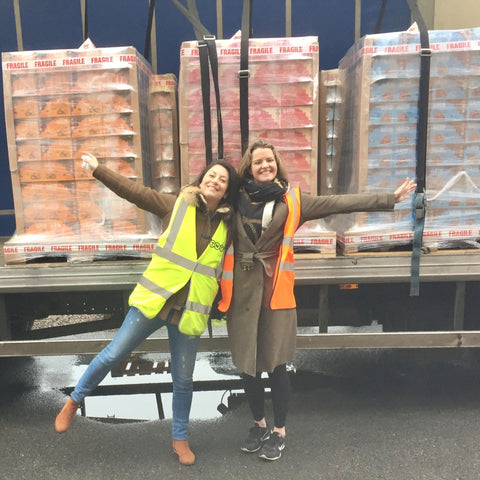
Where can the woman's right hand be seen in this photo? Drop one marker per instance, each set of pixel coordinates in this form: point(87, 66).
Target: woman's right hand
point(89, 161)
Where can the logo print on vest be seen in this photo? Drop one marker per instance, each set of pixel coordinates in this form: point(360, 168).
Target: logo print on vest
point(217, 245)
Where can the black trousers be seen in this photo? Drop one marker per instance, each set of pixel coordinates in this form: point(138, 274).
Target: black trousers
point(280, 389)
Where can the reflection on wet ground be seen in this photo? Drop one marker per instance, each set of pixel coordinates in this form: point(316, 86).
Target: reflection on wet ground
point(217, 383)
point(356, 414)
point(157, 403)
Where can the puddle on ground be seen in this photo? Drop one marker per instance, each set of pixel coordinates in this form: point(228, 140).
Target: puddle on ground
point(146, 407)
point(64, 372)
point(216, 369)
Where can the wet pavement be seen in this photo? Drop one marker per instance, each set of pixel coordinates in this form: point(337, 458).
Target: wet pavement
point(373, 414)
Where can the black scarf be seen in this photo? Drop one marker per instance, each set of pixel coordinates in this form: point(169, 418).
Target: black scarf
point(252, 199)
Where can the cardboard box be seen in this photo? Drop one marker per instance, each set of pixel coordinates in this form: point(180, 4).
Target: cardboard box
point(381, 79)
point(59, 104)
point(283, 104)
point(162, 108)
point(331, 128)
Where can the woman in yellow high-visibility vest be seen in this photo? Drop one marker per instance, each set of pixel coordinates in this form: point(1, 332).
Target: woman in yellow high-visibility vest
point(258, 279)
point(176, 290)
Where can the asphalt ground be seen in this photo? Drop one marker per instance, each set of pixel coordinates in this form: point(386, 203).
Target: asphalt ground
point(399, 415)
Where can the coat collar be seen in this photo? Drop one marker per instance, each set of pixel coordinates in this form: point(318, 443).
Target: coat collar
point(193, 196)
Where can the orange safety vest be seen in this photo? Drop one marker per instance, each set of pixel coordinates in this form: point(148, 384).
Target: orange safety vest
point(284, 276)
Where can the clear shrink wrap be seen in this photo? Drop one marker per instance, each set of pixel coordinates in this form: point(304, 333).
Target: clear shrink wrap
point(283, 110)
point(380, 74)
point(283, 104)
point(60, 104)
point(330, 127)
point(163, 123)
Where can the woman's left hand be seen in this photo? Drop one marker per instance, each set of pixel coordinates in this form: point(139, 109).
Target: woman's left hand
point(404, 190)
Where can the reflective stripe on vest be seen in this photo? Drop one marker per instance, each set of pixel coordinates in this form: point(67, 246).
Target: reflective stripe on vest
point(284, 277)
point(174, 263)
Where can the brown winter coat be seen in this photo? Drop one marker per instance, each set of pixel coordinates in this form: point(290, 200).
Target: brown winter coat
point(161, 205)
point(261, 338)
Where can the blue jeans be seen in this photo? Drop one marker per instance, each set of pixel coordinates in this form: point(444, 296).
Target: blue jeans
point(136, 328)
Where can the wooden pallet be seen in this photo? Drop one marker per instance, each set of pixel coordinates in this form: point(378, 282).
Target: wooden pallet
point(22, 253)
point(378, 243)
point(134, 366)
point(374, 242)
point(322, 243)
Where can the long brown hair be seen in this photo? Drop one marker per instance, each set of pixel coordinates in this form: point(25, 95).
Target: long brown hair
point(230, 195)
point(245, 168)
point(233, 181)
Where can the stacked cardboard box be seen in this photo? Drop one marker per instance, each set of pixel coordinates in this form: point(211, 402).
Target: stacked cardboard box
point(381, 77)
point(60, 104)
point(283, 104)
point(317, 235)
point(330, 124)
point(283, 110)
point(162, 106)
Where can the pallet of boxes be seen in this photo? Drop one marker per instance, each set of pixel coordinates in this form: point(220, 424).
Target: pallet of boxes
point(330, 129)
point(283, 110)
point(162, 109)
point(60, 104)
point(380, 74)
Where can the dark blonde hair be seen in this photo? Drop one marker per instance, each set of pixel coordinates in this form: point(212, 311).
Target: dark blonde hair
point(245, 168)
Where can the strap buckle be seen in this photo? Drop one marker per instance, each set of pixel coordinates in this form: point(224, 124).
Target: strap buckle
point(246, 261)
point(209, 37)
point(419, 212)
point(244, 74)
point(426, 52)
point(420, 206)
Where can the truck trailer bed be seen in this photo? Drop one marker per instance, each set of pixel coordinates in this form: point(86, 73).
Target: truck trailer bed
point(321, 275)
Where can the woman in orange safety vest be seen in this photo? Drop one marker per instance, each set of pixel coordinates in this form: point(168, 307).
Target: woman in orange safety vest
point(258, 279)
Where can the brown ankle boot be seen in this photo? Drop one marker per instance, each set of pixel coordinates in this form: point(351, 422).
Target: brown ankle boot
point(65, 417)
point(185, 455)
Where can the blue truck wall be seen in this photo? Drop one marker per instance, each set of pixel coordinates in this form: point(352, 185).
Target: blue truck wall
point(57, 24)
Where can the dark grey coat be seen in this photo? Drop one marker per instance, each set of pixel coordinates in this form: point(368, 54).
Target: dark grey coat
point(261, 338)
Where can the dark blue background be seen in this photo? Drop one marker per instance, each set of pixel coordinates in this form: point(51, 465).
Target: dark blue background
point(57, 24)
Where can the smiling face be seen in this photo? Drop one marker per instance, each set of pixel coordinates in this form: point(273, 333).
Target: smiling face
point(214, 185)
point(264, 166)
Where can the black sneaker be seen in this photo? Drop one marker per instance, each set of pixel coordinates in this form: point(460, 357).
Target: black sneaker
point(273, 446)
point(257, 435)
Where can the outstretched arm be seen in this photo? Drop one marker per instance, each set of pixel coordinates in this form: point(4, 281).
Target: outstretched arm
point(324, 205)
point(135, 192)
point(404, 190)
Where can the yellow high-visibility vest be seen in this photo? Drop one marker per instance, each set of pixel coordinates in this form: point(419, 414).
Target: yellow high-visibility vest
point(174, 263)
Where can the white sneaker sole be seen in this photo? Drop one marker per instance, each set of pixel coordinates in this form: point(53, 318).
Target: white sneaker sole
point(264, 457)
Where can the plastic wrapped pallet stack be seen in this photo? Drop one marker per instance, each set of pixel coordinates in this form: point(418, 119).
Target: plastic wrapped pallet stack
point(381, 77)
point(283, 104)
point(60, 104)
point(317, 235)
point(331, 98)
point(283, 110)
point(162, 107)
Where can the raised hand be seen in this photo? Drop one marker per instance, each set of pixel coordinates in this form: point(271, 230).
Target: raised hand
point(89, 161)
point(404, 190)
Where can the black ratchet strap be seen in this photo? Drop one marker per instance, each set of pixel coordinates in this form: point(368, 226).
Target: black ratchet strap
point(208, 60)
point(148, 37)
point(244, 72)
point(85, 22)
point(420, 202)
